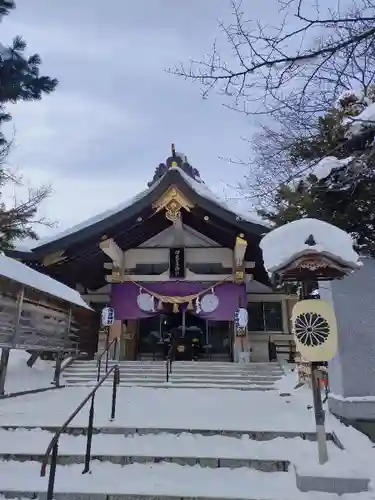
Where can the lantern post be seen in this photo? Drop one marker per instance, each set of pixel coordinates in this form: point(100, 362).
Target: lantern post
point(308, 267)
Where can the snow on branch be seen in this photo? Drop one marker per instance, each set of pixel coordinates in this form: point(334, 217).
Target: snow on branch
point(327, 165)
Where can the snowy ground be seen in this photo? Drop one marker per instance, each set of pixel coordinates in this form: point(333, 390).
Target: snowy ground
point(181, 409)
point(21, 377)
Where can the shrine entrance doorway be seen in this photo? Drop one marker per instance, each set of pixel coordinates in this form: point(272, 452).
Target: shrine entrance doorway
point(195, 338)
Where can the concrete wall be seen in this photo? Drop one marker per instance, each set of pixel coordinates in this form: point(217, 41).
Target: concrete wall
point(353, 369)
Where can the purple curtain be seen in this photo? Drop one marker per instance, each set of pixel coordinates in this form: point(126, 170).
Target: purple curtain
point(124, 298)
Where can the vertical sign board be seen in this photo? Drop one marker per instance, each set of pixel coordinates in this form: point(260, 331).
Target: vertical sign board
point(177, 262)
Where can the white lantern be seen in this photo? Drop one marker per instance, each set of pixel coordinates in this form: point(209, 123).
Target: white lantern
point(241, 317)
point(108, 316)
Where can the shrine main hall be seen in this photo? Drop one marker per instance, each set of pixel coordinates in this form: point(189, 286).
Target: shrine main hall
point(174, 260)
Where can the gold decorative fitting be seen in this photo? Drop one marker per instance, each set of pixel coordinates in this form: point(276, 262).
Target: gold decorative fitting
point(54, 258)
point(311, 264)
point(239, 276)
point(116, 272)
point(173, 211)
point(172, 201)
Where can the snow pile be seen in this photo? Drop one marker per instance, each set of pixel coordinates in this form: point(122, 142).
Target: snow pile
point(288, 242)
point(16, 271)
point(365, 119)
point(287, 383)
point(326, 165)
point(21, 377)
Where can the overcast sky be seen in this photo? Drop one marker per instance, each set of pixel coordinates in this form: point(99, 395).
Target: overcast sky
point(112, 119)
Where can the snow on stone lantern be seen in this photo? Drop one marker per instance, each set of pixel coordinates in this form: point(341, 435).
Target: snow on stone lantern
point(308, 251)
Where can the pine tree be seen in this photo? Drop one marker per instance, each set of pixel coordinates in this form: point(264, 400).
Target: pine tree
point(20, 80)
point(345, 197)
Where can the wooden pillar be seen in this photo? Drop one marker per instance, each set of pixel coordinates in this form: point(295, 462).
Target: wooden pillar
point(129, 340)
point(115, 331)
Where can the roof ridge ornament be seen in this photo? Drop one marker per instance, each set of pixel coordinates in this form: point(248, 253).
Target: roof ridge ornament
point(310, 241)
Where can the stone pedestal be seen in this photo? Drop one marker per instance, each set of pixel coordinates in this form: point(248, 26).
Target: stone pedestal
point(352, 371)
point(241, 349)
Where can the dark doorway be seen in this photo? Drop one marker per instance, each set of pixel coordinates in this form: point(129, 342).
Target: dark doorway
point(202, 339)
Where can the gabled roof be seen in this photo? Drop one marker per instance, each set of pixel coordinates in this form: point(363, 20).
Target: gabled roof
point(194, 190)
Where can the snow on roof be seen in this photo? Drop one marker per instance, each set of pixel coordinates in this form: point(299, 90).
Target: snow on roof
point(285, 243)
point(197, 185)
point(328, 164)
point(16, 271)
point(97, 218)
point(365, 118)
point(203, 190)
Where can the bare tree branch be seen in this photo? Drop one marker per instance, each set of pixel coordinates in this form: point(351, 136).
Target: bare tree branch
point(272, 65)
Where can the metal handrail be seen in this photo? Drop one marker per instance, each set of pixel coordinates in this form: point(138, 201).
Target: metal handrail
point(53, 447)
point(106, 351)
point(168, 365)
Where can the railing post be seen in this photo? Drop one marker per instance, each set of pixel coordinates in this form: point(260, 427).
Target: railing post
point(167, 369)
point(17, 326)
point(107, 349)
point(89, 436)
point(114, 349)
point(116, 381)
point(52, 471)
point(56, 377)
point(99, 369)
point(4, 360)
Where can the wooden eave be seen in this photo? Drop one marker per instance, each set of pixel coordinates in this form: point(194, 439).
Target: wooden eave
point(83, 260)
point(135, 210)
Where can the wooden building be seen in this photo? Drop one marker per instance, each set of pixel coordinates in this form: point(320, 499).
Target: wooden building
point(175, 257)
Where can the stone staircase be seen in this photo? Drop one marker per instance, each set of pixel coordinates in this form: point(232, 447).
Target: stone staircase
point(250, 377)
point(162, 464)
point(176, 453)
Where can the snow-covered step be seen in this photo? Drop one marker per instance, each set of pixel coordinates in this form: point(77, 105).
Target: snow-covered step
point(183, 449)
point(176, 369)
point(114, 429)
point(178, 378)
point(185, 365)
point(141, 481)
point(169, 385)
point(184, 375)
point(179, 374)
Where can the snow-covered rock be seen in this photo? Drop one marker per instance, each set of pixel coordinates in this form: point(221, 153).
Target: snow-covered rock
point(288, 242)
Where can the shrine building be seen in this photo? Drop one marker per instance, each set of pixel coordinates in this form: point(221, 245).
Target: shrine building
point(175, 258)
